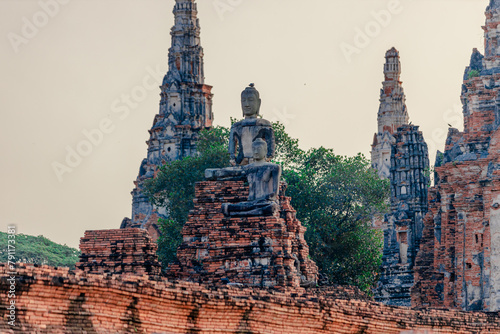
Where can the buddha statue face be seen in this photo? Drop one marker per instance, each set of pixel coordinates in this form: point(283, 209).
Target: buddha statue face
point(250, 102)
point(259, 148)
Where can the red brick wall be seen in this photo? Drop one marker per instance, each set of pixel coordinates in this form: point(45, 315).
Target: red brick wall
point(57, 301)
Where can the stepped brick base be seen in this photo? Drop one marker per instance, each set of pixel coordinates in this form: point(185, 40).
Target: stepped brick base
point(254, 251)
point(119, 252)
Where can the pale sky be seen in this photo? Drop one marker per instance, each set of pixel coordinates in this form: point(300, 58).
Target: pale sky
point(63, 74)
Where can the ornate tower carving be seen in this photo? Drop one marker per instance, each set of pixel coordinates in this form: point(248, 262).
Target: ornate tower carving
point(403, 226)
point(391, 115)
point(185, 110)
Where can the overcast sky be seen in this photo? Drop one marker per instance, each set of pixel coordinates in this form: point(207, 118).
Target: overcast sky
point(317, 64)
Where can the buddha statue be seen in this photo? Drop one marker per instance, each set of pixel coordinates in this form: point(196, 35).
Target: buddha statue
point(244, 132)
point(263, 182)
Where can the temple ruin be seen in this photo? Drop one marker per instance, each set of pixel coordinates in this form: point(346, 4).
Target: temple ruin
point(404, 224)
point(399, 153)
point(244, 266)
point(185, 110)
point(458, 264)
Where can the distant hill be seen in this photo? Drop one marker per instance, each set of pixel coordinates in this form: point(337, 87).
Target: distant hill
point(39, 250)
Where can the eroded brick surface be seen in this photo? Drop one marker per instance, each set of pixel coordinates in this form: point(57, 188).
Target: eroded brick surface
point(256, 251)
point(118, 252)
point(458, 265)
point(58, 301)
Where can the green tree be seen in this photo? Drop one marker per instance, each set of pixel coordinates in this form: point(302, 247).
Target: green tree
point(39, 250)
point(334, 196)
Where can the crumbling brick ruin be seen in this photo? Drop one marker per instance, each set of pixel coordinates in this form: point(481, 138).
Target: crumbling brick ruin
point(264, 251)
point(458, 265)
point(185, 110)
point(251, 273)
point(59, 301)
point(119, 252)
point(403, 226)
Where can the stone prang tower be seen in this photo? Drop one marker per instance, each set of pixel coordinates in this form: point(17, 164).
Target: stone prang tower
point(403, 226)
point(391, 115)
point(185, 110)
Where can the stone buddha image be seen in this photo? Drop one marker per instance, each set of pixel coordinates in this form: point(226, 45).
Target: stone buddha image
point(244, 132)
point(251, 146)
point(263, 182)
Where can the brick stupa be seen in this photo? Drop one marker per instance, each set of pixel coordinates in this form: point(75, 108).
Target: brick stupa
point(266, 251)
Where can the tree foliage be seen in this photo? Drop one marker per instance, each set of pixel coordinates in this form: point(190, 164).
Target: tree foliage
point(39, 250)
point(335, 198)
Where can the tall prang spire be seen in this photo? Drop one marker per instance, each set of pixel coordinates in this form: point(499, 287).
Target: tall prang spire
point(392, 113)
point(185, 110)
point(399, 153)
point(185, 56)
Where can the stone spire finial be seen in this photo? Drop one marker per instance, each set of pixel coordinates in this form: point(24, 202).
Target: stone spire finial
point(392, 67)
point(392, 52)
point(392, 112)
point(185, 56)
point(391, 115)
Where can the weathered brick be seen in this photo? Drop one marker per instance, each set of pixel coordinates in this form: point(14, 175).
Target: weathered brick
point(255, 251)
point(458, 265)
point(118, 252)
point(60, 301)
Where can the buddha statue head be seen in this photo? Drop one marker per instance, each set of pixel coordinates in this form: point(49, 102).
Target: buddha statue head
point(250, 102)
point(259, 149)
